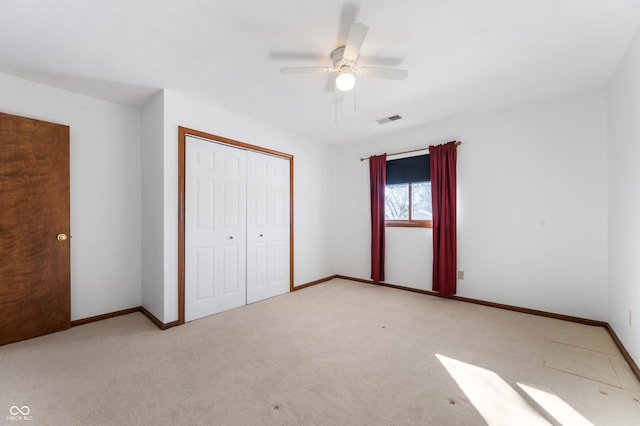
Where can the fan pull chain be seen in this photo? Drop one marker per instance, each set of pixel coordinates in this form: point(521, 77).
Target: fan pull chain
point(335, 106)
point(355, 97)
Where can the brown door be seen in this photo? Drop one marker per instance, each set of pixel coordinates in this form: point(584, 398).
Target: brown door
point(34, 228)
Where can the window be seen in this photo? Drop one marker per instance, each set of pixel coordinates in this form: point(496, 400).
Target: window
point(408, 192)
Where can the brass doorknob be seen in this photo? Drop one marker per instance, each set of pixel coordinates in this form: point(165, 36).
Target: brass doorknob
point(62, 237)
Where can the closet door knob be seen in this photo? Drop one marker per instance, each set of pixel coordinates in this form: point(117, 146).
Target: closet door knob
point(231, 237)
point(261, 235)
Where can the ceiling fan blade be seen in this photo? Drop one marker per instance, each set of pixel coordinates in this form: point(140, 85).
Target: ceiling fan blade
point(357, 33)
point(348, 16)
point(306, 70)
point(300, 56)
point(330, 84)
point(385, 61)
point(390, 73)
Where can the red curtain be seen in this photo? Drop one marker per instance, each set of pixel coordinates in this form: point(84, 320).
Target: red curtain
point(443, 194)
point(378, 178)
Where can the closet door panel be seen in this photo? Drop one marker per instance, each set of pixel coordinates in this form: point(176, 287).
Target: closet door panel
point(267, 226)
point(280, 261)
point(215, 230)
point(204, 273)
point(232, 270)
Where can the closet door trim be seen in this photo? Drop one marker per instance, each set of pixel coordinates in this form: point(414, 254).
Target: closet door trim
point(183, 132)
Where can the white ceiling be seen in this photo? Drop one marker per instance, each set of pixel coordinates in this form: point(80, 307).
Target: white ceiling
point(463, 56)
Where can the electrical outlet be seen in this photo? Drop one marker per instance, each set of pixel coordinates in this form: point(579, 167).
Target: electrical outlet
point(630, 319)
point(461, 275)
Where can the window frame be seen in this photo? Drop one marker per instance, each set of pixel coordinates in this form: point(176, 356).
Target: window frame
point(409, 223)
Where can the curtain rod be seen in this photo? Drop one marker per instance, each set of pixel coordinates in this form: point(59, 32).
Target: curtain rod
point(407, 152)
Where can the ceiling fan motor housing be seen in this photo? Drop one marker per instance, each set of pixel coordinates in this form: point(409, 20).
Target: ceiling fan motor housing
point(341, 64)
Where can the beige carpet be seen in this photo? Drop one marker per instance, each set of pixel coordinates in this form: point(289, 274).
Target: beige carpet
point(338, 353)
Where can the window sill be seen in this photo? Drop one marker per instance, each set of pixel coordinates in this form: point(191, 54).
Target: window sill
point(409, 223)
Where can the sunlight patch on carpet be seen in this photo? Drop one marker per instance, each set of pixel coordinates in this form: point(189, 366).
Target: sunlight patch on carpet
point(554, 405)
point(496, 401)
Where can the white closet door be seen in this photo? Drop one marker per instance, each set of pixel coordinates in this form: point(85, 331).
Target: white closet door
point(215, 228)
point(268, 226)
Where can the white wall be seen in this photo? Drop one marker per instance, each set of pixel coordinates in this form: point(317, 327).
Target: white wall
point(313, 186)
point(153, 206)
point(105, 191)
point(532, 216)
point(624, 199)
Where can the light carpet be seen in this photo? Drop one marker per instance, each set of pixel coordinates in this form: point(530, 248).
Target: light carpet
point(338, 353)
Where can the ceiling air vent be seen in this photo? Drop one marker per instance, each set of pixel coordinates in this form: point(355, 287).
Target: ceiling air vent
point(389, 119)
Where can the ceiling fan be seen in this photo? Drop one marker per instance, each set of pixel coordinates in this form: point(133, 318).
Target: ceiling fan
point(345, 63)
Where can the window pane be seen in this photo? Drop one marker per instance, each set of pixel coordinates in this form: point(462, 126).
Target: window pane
point(396, 202)
point(421, 201)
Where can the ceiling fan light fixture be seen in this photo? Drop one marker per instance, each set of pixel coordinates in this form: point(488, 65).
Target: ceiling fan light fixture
point(345, 81)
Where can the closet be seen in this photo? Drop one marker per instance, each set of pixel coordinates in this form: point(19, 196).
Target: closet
point(236, 226)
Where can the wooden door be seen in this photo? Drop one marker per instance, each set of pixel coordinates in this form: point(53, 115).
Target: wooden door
point(215, 228)
point(34, 228)
point(268, 227)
